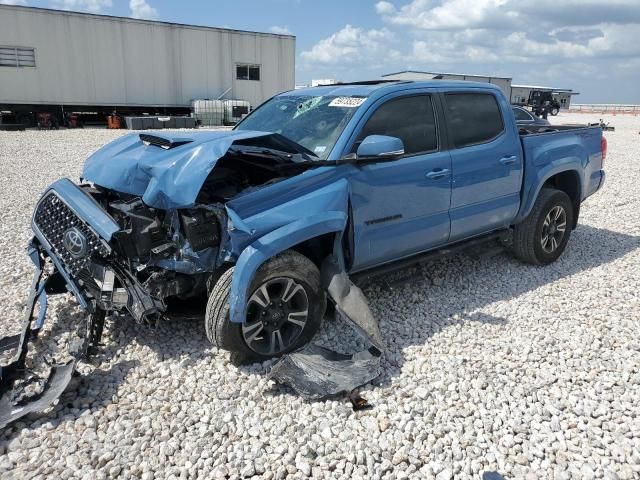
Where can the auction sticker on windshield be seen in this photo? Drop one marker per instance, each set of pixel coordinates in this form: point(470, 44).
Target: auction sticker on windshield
point(351, 102)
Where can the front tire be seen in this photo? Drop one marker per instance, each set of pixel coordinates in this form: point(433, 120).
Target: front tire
point(284, 310)
point(542, 237)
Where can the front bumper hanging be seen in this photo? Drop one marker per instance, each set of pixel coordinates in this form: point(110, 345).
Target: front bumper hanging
point(13, 355)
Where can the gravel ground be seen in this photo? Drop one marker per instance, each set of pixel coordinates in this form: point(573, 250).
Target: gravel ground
point(491, 365)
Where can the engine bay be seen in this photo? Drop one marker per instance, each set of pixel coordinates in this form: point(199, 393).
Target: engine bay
point(162, 253)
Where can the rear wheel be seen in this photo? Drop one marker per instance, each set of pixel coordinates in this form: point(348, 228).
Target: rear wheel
point(555, 111)
point(544, 234)
point(284, 309)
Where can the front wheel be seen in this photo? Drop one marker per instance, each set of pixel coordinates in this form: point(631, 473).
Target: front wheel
point(284, 310)
point(542, 237)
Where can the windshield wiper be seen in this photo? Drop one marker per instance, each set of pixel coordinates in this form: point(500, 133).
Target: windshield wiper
point(270, 153)
point(288, 162)
point(288, 167)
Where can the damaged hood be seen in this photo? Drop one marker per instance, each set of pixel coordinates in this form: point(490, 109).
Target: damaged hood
point(165, 178)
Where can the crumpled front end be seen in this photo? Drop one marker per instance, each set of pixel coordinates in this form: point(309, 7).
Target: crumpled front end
point(78, 248)
point(63, 250)
point(158, 224)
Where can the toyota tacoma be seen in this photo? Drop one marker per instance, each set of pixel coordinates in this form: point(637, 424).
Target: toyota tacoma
point(275, 220)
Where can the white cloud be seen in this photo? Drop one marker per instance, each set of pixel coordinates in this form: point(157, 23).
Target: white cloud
point(141, 9)
point(385, 8)
point(559, 42)
point(484, 31)
point(280, 30)
point(91, 6)
point(447, 15)
point(13, 2)
point(352, 45)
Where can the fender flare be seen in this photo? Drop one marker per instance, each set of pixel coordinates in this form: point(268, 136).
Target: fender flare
point(271, 244)
point(544, 175)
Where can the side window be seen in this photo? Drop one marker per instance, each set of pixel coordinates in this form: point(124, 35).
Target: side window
point(473, 118)
point(411, 119)
point(521, 114)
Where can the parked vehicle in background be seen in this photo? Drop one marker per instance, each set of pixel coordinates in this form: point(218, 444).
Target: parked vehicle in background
point(542, 101)
point(314, 188)
point(525, 117)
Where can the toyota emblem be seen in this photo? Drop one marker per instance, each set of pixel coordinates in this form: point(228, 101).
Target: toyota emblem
point(75, 242)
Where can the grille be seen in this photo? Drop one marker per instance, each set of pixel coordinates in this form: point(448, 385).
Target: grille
point(53, 218)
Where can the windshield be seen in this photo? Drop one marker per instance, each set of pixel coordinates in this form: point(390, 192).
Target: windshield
point(315, 122)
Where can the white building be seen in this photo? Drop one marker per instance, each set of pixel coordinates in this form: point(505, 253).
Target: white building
point(324, 81)
point(61, 58)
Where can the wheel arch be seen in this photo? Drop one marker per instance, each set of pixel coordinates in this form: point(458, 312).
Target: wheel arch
point(321, 231)
point(567, 180)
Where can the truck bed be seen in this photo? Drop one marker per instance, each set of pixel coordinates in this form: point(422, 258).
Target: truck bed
point(558, 148)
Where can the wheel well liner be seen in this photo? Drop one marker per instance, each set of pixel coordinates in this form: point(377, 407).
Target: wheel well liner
point(316, 249)
point(568, 182)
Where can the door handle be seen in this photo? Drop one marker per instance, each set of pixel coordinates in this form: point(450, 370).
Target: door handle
point(510, 160)
point(437, 174)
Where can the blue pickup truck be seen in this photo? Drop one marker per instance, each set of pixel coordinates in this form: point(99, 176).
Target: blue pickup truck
point(273, 220)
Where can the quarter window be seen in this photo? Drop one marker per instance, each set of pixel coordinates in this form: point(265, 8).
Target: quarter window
point(248, 72)
point(473, 118)
point(17, 57)
point(410, 119)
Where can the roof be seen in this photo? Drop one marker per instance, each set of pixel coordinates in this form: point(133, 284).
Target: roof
point(367, 88)
point(550, 89)
point(139, 20)
point(444, 73)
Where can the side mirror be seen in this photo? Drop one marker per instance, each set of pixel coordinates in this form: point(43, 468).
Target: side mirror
point(380, 146)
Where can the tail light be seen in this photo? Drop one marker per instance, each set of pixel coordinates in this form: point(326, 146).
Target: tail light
point(603, 147)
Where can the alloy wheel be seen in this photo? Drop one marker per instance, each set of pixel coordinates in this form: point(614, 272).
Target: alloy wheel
point(553, 229)
point(277, 313)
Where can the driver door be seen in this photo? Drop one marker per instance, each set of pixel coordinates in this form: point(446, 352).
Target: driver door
point(401, 205)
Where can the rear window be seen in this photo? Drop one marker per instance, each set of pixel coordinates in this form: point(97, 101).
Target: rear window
point(473, 118)
point(410, 119)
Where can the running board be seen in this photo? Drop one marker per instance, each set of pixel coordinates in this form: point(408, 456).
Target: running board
point(365, 276)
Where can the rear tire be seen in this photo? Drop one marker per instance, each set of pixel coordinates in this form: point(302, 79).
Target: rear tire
point(555, 111)
point(542, 237)
point(280, 321)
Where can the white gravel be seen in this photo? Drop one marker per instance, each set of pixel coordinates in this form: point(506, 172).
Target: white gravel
point(491, 365)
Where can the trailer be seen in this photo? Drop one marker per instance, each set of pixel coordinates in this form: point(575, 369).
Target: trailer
point(87, 66)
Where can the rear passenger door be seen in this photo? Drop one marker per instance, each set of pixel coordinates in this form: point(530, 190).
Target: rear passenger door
point(486, 159)
point(401, 205)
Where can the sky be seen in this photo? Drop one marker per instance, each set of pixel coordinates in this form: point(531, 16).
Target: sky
point(591, 46)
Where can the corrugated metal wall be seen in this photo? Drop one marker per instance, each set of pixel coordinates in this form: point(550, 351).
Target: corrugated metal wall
point(97, 60)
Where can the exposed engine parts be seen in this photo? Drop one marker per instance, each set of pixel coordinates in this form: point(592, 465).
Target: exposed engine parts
point(142, 229)
point(200, 228)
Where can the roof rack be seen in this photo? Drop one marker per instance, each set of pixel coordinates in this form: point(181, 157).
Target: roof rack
point(369, 82)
